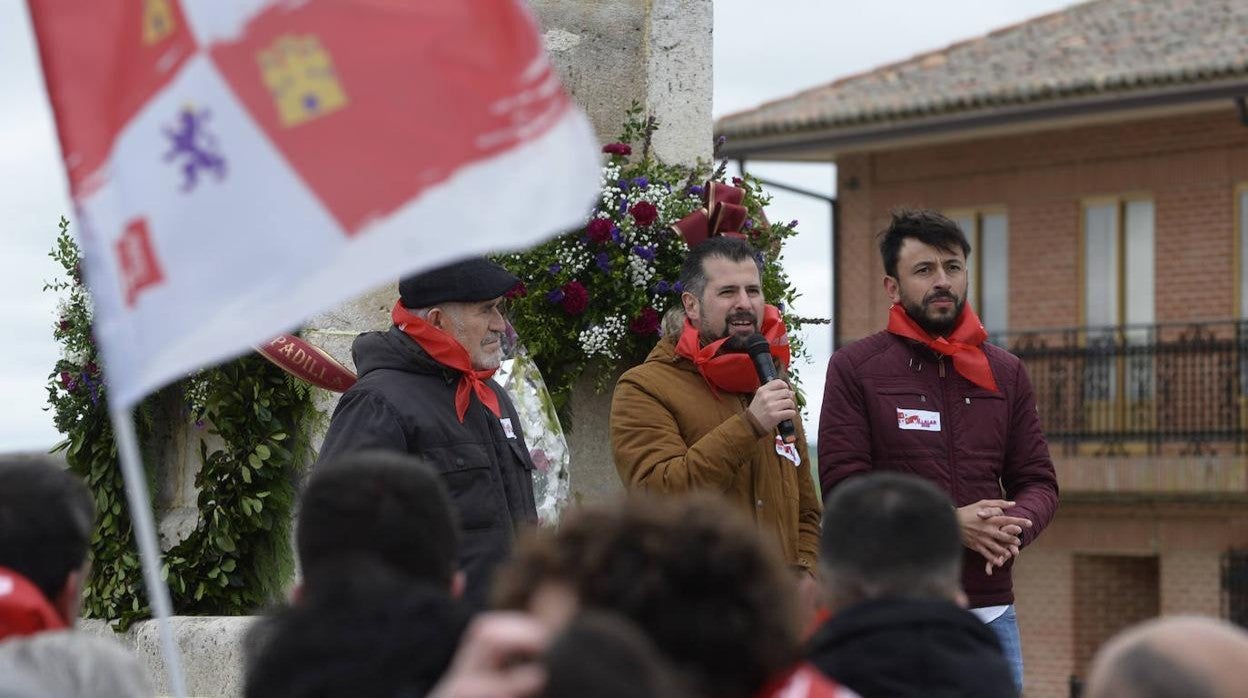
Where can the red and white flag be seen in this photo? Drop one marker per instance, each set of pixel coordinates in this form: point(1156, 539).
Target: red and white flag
point(238, 166)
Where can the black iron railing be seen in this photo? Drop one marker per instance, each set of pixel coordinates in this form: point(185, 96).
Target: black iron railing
point(1180, 388)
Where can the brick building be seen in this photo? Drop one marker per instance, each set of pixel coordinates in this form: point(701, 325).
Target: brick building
point(1098, 159)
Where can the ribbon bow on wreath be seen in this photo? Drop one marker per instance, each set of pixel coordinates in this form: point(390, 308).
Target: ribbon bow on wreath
point(722, 213)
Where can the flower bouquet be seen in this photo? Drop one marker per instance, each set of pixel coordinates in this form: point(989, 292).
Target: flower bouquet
point(594, 299)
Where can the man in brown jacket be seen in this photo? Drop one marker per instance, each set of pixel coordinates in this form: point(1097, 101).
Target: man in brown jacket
point(693, 417)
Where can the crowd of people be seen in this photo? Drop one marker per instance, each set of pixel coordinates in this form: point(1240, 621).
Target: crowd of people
point(731, 569)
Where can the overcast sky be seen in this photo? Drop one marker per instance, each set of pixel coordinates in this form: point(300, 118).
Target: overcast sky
point(762, 52)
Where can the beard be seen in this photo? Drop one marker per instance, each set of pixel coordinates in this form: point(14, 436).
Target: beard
point(935, 323)
point(728, 330)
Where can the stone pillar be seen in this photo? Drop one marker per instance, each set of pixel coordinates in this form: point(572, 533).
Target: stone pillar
point(610, 54)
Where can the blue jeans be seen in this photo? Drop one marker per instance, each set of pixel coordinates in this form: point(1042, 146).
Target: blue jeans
point(1006, 628)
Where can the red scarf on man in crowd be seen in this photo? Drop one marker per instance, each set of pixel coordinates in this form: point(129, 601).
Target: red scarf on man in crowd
point(734, 372)
point(446, 350)
point(964, 345)
point(23, 608)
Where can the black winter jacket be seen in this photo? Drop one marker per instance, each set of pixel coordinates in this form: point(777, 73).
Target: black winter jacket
point(901, 648)
point(405, 401)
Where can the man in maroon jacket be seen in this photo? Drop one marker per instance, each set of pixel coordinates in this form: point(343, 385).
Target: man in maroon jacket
point(929, 396)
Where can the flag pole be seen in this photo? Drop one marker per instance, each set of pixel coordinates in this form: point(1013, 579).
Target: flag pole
point(145, 535)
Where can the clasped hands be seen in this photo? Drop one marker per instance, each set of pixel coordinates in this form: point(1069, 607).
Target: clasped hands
point(987, 530)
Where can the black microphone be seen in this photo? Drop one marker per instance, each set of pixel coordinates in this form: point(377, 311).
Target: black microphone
point(759, 349)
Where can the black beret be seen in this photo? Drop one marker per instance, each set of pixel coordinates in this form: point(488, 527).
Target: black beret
point(475, 279)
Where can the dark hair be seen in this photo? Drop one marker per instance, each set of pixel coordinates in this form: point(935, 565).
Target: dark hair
point(928, 227)
point(603, 655)
point(693, 270)
point(370, 632)
point(46, 517)
point(691, 572)
point(890, 535)
point(386, 504)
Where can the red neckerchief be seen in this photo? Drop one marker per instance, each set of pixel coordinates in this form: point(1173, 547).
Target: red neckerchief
point(23, 608)
point(963, 344)
point(444, 349)
point(734, 372)
point(801, 681)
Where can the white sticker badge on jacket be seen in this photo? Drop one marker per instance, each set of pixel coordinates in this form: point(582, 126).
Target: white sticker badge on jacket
point(789, 451)
point(507, 429)
point(922, 420)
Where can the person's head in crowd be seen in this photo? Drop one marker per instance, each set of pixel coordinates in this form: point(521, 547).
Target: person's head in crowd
point(888, 535)
point(690, 572)
point(605, 655)
point(722, 288)
point(367, 631)
point(46, 517)
point(69, 664)
point(1185, 656)
point(924, 255)
point(388, 505)
point(464, 299)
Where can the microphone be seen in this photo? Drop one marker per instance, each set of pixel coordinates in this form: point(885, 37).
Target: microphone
point(759, 349)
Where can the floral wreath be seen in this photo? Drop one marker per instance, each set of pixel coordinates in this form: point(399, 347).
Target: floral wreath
point(593, 300)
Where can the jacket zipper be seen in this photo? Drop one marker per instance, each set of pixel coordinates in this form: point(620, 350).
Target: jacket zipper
point(944, 394)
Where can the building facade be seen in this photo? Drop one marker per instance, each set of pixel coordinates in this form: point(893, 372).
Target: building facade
point(1103, 183)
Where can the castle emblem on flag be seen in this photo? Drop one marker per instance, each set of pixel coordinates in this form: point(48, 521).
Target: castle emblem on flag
point(191, 142)
point(136, 260)
point(300, 75)
point(157, 20)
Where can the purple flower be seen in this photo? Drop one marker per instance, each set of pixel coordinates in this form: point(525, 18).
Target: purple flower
point(749, 223)
point(199, 424)
point(793, 223)
point(615, 233)
point(641, 182)
point(662, 287)
point(721, 140)
point(623, 206)
point(696, 190)
point(780, 306)
point(622, 184)
point(678, 287)
point(604, 262)
point(554, 269)
point(555, 296)
point(646, 252)
point(91, 385)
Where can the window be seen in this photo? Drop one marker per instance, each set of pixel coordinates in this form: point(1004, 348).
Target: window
point(1241, 209)
point(1118, 278)
point(1118, 314)
point(988, 269)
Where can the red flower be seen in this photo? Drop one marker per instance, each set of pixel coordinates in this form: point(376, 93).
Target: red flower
point(66, 325)
point(575, 298)
point(68, 382)
point(599, 230)
point(517, 291)
point(617, 149)
point(91, 368)
point(738, 182)
point(644, 213)
point(646, 322)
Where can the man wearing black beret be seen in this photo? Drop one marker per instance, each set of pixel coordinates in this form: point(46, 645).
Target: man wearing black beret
point(425, 388)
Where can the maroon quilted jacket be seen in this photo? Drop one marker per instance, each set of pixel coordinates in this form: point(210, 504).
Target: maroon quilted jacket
point(892, 404)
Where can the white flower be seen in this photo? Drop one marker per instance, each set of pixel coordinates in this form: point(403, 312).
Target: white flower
point(601, 340)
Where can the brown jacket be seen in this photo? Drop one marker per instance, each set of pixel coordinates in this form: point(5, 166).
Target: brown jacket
point(669, 433)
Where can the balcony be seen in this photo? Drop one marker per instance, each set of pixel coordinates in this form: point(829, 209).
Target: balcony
point(1177, 389)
